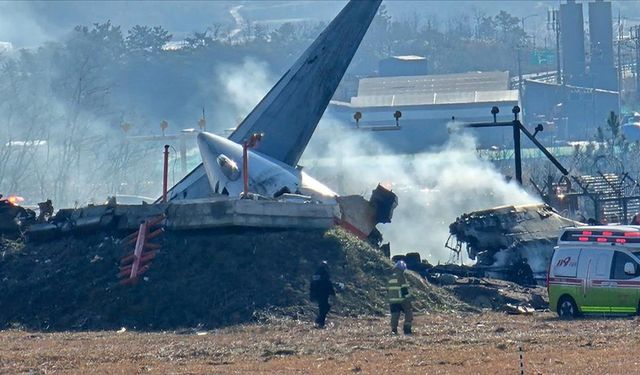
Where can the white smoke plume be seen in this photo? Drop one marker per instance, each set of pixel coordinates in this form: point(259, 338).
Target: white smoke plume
point(243, 88)
point(433, 188)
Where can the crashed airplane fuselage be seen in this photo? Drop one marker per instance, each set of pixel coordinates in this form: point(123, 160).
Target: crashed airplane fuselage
point(268, 177)
point(503, 237)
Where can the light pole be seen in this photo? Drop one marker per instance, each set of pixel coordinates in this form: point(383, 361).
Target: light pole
point(524, 30)
point(519, 53)
point(553, 24)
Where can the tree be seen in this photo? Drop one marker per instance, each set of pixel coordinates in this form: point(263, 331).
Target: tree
point(284, 34)
point(377, 38)
point(614, 125)
point(104, 40)
point(85, 69)
point(145, 38)
point(509, 30)
point(460, 26)
point(486, 28)
point(198, 40)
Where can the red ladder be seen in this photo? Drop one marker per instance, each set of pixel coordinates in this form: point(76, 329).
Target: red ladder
point(135, 264)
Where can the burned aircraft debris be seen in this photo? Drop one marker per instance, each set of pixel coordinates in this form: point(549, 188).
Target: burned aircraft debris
point(13, 217)
point(360, 216)
point(505, 237)
point(470, 285)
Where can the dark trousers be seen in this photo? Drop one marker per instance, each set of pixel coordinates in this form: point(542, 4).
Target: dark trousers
point(323, 310)
point(396, 309)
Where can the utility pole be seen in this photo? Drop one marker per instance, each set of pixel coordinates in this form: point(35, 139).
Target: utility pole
point(519, 74)
point(533, 36)
point(635, 35)
point(553, 24)
point(619, 64)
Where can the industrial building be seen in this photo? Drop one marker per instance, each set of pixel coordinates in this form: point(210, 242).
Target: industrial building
point(585, 93)
point(572, 106)
point(427, 104)
point(409, 65)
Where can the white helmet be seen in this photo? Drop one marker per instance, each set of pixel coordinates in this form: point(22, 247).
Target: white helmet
point(401, 265)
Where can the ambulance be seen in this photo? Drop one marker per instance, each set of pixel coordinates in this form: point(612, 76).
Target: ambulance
point(595, 270)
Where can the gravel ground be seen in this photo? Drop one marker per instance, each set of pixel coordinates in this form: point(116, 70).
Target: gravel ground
point(444, 343)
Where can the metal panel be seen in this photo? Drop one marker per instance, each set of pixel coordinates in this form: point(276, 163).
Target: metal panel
point(291, 110)
point(437, 98)
point(442, 83)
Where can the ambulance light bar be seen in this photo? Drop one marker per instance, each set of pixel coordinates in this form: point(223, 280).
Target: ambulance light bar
point(601, 236)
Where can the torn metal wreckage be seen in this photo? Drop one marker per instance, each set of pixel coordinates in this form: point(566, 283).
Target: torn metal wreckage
point(509, 242)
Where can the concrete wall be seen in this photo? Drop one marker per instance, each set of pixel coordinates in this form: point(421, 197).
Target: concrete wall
point(249, 213)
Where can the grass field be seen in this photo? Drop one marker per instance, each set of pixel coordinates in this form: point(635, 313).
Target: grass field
point(443, 343)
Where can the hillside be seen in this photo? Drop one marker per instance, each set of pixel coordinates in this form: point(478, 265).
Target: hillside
point(200, 279)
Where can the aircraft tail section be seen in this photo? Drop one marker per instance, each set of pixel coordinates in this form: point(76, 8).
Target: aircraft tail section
point(289, 113)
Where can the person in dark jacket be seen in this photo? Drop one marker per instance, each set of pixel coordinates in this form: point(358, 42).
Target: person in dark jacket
point(321, 289)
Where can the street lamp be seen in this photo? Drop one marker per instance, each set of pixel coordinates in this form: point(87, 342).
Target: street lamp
point(523, 29)
point(527, 17)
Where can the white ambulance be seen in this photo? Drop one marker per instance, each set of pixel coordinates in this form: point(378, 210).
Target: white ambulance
point(595, 269)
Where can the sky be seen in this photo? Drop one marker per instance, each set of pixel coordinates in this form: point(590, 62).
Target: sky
point(31, 23)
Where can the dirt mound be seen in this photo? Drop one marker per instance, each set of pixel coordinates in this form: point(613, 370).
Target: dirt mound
point(207, 279)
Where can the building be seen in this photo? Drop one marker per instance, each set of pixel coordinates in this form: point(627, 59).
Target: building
point(576, 112)
point(409, 65)
point(428, 103)
point(584, 100)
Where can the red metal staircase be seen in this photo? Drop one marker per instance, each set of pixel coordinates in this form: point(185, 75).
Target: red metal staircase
point(140, 250)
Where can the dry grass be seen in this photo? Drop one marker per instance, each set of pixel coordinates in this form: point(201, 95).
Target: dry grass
point(444, 343)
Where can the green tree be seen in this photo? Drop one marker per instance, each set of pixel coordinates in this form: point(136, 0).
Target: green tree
point(614, 125)
point(104, 40)
point(145, 38)
point(286, 33)
point(509, 30)
point(198, 40)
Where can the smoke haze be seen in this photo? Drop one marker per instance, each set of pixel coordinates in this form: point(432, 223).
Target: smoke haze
point(433, 188)
point(243, 87)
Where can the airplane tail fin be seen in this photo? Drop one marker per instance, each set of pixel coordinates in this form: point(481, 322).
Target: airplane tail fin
point(289, 113)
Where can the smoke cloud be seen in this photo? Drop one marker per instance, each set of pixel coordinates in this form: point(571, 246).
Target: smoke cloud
point(433, 188)
point(243, 86)
point(20, 26)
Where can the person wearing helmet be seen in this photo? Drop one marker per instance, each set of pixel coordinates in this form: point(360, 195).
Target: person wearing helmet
point(321, 289)
point(399, 298)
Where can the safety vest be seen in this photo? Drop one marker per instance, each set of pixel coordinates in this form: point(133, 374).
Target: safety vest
point(397, 289)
